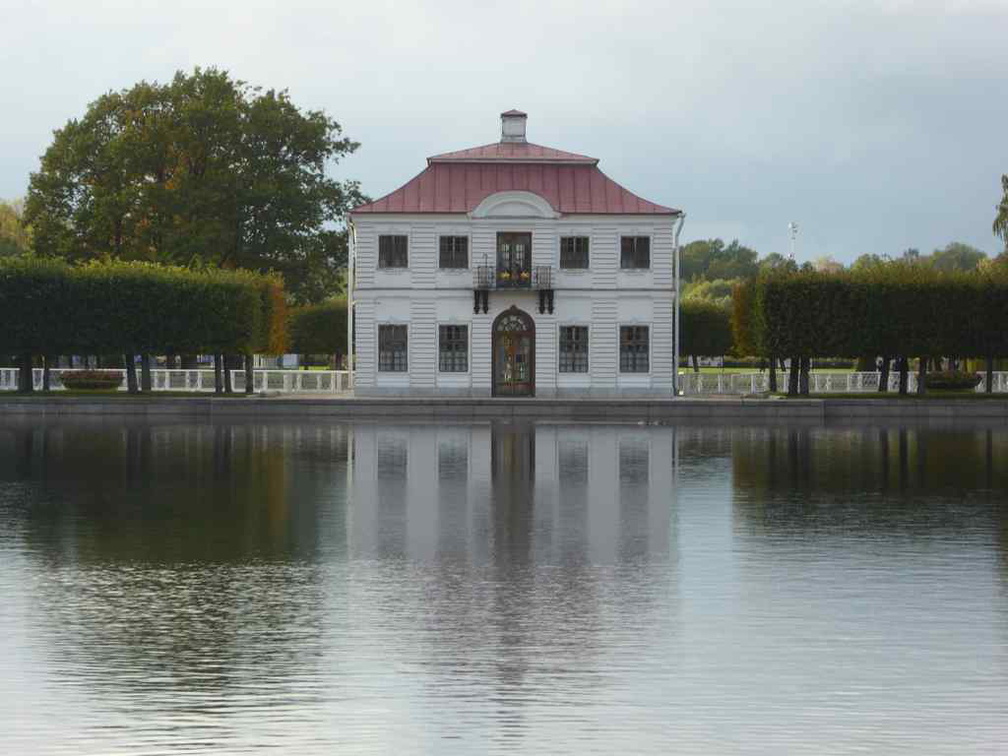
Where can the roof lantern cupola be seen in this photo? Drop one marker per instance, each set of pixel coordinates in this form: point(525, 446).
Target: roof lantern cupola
point(513, 126)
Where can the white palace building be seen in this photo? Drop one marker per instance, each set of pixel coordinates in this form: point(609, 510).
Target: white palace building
point(513, 269)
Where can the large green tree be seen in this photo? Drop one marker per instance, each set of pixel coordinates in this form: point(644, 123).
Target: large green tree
point(203, 170)
point(712, 258)
point(956, 256)
point(15, 236)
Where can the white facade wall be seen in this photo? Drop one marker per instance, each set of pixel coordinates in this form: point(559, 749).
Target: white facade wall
point(422, 297)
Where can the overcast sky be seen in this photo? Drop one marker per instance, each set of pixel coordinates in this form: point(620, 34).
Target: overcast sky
point(876, 126)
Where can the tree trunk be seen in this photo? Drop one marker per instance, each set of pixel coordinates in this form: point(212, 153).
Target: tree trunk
point(921, 375)
point(989, 382)
point(803, 379)
point(249, 374)
point(904, 368)
point(45, 372)
point(773, 374)
point(883, 377)
point(131, 376)
point(696, 364)
point(169, 362)
point(792, 386)
point(226, 362)
point(26, 379)
point(218, 374)
point(145, 372)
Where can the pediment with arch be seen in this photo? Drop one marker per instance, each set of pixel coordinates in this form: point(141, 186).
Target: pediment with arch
point(514, 204)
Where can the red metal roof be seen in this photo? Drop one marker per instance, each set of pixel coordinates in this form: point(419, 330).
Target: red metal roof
point(458, 185)
point(512, 151)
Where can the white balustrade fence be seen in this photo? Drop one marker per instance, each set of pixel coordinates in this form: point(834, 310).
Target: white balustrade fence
point(201, 379)
point(694, 384)
point(338, 381)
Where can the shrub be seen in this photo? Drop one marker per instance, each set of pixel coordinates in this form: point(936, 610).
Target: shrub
point(706, 328)
point(320, 329)
point(952, 380)
point(95, 380)
point(49, 307)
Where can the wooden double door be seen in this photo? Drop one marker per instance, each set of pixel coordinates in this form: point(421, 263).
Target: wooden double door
point(514, 354)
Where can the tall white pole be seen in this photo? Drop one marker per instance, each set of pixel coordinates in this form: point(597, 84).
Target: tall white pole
point(675, 359)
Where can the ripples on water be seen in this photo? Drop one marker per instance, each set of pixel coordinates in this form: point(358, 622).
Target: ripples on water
point(561, 589)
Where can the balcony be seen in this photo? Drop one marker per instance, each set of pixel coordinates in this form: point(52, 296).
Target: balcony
point(487, 278)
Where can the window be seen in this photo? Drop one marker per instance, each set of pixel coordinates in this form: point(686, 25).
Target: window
point(454, 252)
point(453, 461)
point(574, 252)
point(392, 348)
point(391, 459)
point(574, 349)
point(635, 252)
point(392, 251)
point(572, 462)
point(453, 348)
point(633, 349)
point(634, 459)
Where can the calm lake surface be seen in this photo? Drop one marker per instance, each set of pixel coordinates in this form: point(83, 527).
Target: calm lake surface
point(322, 588)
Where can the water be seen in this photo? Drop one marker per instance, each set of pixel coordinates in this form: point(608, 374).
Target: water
point(321, 588)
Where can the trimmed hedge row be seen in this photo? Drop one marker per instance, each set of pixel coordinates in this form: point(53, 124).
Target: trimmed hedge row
point(49, 307)
point(895, 311)
point(705, 328)
point(320, 329)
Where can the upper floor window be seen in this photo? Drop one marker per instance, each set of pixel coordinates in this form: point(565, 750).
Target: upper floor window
point(573, 349)
point(454, 252)
point(453, 348)
point(392, 251)
point(392, 349)
point(633, 349)
point(574, 252)
point(635, 252)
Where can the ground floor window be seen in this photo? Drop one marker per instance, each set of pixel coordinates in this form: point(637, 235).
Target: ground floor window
point(392, 349)
point(633, 349)
point(574, 349)
point(453, 348)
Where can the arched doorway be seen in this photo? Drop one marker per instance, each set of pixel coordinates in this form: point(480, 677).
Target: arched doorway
point(513, 354)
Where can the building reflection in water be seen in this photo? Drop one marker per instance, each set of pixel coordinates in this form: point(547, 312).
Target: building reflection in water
point(512, 536)
point(511, 494)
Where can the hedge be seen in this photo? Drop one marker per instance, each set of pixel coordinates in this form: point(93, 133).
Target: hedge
point(320, 329)
point(705, 329)
point(49, 307)
point(899, 310)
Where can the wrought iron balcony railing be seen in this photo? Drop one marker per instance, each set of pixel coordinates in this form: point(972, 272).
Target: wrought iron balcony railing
point(487, 278)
